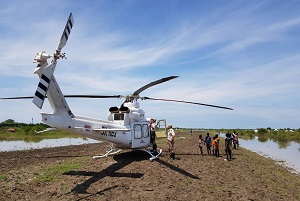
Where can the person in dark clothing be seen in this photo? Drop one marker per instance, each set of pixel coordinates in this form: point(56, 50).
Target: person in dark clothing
point(208, 144)
point(153, 134)
point(228, 144)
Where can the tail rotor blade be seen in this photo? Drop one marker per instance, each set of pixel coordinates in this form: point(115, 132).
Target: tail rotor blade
point(180, 101)
point(41, 91)
point(66, 33)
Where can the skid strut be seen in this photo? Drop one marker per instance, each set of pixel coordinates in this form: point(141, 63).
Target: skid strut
point(112, 151)
point(153, 156)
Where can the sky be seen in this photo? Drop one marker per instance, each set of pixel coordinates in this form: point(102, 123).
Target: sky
point(239, 54)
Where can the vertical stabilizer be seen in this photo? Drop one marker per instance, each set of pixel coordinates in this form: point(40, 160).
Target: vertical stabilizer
point(57, 100)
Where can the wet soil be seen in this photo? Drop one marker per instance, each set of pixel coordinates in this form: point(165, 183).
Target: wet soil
point(129, 175)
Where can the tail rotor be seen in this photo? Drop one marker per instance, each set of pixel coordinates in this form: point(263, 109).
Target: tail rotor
point(45, 70)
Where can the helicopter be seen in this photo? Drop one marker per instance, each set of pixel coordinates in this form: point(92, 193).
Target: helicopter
point(126, 127)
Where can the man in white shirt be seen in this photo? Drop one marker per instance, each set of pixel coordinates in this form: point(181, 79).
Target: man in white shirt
point(171, 139)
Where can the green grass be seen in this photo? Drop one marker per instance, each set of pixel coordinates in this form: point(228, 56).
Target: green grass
point(2, 176)
point(52, 173)
point(34, 137)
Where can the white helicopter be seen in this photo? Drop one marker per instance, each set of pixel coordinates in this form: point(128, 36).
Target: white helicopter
point(126, 127)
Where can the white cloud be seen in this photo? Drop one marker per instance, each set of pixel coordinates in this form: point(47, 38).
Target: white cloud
point(245, 58)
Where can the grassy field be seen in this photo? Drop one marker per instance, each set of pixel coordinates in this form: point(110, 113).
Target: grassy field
point(27, 133)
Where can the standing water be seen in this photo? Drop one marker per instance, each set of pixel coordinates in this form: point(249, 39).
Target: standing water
point(22, 145)
point(288, 153)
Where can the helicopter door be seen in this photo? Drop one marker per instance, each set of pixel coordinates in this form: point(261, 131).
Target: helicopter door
point(140, 135)
point(161, 128)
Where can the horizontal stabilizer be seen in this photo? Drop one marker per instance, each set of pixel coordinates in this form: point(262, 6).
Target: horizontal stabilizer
point(47, 129)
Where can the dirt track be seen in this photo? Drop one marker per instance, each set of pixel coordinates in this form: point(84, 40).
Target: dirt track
point(131, 176)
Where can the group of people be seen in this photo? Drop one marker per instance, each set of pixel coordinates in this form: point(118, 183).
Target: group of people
point(213, 144)
point(170, 137)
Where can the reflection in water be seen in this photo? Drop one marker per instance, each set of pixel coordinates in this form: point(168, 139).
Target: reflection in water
point(283, 144)
point(22, 145)
point(263, 138)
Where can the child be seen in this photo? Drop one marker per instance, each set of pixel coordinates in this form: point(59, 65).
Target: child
point(236, 140)
point(208, 144)
point(201, 144)
point(213, 143)
point(228, 146)
point(216, 143)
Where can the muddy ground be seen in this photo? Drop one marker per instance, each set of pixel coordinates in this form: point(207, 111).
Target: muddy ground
point(70, 173)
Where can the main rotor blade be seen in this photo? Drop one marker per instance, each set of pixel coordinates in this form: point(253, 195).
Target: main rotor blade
point(21, 97)
point(92, 96)
point(180, 101)
point(137, 92)
point(67, 96)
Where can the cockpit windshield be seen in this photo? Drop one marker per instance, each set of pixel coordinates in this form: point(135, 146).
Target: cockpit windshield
point(118, 116)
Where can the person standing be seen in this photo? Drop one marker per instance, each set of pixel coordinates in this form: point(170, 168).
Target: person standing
point(208, 144)
point(201, 144)
point(217, 147)
point(232, 139)
point(153, 134)
point(171, 139)
point(228, 146)
point(213, 143)
point(236, 140)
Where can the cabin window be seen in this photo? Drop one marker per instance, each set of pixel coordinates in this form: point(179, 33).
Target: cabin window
point(137, 129)
point(118, 116)
point(145, 130)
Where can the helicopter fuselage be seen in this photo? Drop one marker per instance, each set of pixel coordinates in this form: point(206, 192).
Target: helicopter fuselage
point(126, 126)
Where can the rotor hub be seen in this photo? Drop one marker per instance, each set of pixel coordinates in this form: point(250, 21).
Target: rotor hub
point(41, 57)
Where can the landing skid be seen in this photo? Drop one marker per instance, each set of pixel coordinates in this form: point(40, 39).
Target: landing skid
point(112, 151)
point(153, 157)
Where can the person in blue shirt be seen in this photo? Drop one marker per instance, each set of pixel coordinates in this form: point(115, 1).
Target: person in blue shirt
point(208, 144)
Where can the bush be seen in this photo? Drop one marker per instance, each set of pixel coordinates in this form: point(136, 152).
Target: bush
point(262, 131)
